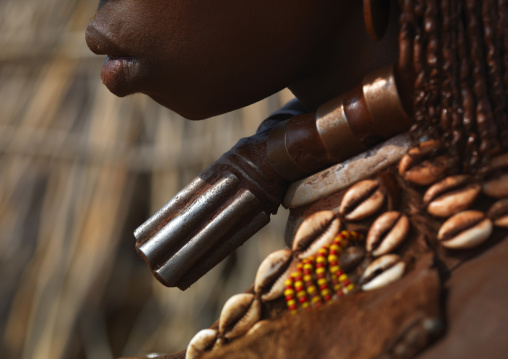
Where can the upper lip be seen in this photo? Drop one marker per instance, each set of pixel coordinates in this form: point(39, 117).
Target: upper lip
point(100, 44)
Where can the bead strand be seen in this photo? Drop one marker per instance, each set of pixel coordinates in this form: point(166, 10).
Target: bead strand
point(333, 261)
point(289, 295)
point(319, 279)
point(301, 293)
point(321, 273)
point(310, 285)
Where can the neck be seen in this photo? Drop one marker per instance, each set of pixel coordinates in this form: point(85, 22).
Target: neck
point(346, 57)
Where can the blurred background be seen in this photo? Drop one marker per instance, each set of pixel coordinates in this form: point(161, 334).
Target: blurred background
point(79, 170)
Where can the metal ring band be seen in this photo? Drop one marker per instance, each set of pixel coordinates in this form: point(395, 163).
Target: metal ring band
point(278, 155)
point(335, 132)
point(383, 102)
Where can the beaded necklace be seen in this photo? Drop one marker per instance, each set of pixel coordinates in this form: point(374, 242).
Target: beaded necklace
point(320, 279)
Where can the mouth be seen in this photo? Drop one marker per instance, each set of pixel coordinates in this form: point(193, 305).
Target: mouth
point(120, 72)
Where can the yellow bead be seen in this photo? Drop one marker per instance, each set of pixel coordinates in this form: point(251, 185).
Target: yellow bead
point(320, 260)
point(305, 305)
point(350, 287)
point(311, 289)
point(342, 277)
point(289, 282)
point(298, 284)
point(307, 278)
point(288, 292)
point(332, 257)
point(325, 292)
point(291, 302)
point(320, 270)
point(301, 294)
point(316, 299)
point(334, 269)
point(321, 281)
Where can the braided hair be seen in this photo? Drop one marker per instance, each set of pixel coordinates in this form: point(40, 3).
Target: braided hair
point(457, 53)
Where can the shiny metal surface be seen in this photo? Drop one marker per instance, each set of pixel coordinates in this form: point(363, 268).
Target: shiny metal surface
point(334, 131)
point(384, 104)
point(175, 204)
point(168, 240)
point(211, 235)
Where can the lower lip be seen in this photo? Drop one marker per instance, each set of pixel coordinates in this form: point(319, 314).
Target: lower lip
point(118, 74)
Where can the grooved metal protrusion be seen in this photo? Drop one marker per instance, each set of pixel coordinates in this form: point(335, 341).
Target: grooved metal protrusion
point(169, 239)
point(201, 245)
point(175, 204)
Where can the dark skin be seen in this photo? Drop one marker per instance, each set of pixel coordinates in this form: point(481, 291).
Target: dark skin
point(205, 59)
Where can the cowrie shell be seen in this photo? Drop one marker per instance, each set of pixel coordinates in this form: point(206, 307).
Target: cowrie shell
point(496, 187)
point(383, 271)
point(465, 230)
point(499, 162)
point(387, 233)
point(498, 213)
point(201, 342)
point(415, 167)
point(272, 273)
point(350, 258)
point(238, 315)
point(451, 195)
point(257, 327)
point(315, 232)
point(361, 200)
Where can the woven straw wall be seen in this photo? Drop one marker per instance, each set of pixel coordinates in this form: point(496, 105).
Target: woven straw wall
point(79, 170)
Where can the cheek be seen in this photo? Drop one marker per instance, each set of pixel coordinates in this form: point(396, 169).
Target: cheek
point(215, 63)
point(205, 59)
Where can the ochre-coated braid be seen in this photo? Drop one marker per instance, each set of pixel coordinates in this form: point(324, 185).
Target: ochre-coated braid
point(503, 31)
point(502, 53)
point(483, 108)
point(460, 60)
point(465, 91)
point(406, 33)
point(456, 128)
point(433, 65)
point(446, 59)
point(493, 61)
point(420, 123)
